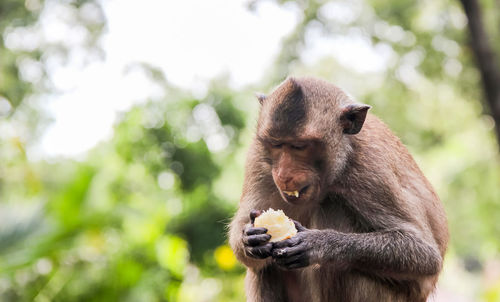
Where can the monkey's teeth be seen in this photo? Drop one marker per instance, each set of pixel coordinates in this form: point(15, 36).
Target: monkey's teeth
point(292, 193)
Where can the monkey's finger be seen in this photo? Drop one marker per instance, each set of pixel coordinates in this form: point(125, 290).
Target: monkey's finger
point(298, 226)
point(287, 251)
point(260, 252)
point(279, 253)
point(287, 243)
point(255, 231)
point(254, 214)
point(255, 240)
point(288, 260)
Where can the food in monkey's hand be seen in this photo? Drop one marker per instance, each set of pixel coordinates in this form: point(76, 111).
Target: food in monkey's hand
point(278, 225)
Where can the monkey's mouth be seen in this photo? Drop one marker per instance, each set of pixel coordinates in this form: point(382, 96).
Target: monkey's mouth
point(294, 195)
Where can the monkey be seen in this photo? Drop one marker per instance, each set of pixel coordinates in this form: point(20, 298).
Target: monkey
point(370, 225)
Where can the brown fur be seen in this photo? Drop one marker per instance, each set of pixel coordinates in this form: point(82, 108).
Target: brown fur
point(381, 228)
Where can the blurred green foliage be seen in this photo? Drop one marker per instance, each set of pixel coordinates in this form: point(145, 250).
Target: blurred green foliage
point(143, 216)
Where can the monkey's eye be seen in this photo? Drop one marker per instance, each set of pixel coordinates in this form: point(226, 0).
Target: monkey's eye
point(298, 146)
point(276, 145)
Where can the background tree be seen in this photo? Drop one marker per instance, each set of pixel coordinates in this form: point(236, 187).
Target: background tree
point(143, 215)
point(487, 61)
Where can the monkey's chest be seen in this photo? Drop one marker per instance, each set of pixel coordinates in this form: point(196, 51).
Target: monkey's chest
point(334, 214)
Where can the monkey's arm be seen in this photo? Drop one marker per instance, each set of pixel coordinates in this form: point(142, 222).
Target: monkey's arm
point(391, 253)
point(250, 244)
point(401, 209)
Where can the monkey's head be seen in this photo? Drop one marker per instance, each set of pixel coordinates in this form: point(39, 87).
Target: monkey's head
point(304, 128)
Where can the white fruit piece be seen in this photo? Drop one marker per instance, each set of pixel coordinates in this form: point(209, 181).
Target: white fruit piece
point(278, 225)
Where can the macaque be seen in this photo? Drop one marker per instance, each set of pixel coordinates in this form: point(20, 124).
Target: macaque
point(370, 226)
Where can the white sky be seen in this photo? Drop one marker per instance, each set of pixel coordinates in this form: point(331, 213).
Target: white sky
point(192, 41)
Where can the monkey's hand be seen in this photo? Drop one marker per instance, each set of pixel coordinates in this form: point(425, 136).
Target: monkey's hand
point(255, 240)
point(298, 251)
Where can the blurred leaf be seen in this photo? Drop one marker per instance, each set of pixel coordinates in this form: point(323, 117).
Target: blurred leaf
point(172, 254)
point(17, 224)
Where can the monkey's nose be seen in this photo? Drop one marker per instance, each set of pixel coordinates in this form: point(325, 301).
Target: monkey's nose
point(285, 179)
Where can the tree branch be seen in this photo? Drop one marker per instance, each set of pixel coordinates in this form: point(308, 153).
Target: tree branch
point(485, 58)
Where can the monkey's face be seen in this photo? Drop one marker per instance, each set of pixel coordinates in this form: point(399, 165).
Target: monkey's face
point(297, 123)
point(295, 169)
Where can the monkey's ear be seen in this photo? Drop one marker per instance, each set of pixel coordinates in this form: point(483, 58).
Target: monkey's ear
point(261, 97)
point(352, 117)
